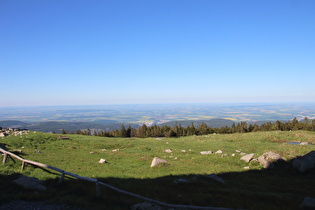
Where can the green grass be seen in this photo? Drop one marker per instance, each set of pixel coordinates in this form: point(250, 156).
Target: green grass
point(129, 169)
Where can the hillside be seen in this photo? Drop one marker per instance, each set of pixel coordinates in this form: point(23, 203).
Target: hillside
point(58, 126)
point(108, 125)
point(213, 123)
point(185, 173)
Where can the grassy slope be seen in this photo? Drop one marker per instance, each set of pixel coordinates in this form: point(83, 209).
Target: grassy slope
point(129, 169)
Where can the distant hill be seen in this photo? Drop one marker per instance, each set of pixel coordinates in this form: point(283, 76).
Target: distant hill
point(108, 125)
point(13, 124)
point(58, 126)
point(213, 123)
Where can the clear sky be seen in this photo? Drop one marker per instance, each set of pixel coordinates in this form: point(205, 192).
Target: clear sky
point(80, 52)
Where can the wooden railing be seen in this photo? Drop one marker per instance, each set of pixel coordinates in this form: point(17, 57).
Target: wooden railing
point(6, 153)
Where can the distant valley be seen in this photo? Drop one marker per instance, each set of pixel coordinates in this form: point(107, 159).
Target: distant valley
point(110, 117)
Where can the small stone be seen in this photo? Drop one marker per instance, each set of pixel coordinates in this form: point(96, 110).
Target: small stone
point(219, 152)
point(146, 206)
point(242, 153)
point(102, 160)
point(233, 155)
point(206, 152)
point(181, 181)
point(115, 150)
point(168, 151)
point(246, 167)
point(183, 150)
point(304, 143)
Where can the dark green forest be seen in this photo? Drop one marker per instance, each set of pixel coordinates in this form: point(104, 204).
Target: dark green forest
point(201, 129)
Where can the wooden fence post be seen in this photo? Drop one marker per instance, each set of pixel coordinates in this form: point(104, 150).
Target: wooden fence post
point(4, 158)
point(61, 177)
point(23, 165)
point(97, 189)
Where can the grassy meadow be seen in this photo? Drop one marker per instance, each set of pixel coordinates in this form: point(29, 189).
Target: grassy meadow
point(129, 168)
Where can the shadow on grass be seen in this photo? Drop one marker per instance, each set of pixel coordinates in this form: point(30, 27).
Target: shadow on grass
point(279, 188)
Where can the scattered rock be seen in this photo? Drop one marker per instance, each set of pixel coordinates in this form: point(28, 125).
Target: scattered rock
point(219, 152)
point(268, 158)
point(216, 177)
point(308, 203)
point(183, 150)
point(157, 161)
point(92, 152)
point(30, 183)
point(238, 151)
point(246, 168)
point(223, 155)
point(233, 155)
point(248, 158)
point(102, 161)
point(304, 143)
point(115, 150)
point(182, 181)
point(146, 206)
point(305, 162)
point(103, 150)
point(158, 139)
point(242, 153)
point(206, 152)
point(168, 151)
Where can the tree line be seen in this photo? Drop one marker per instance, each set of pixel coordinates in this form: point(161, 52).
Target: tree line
point(145, 131)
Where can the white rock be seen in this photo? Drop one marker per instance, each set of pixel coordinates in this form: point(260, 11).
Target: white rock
point(233, 155)
point(183, 150)
point(219, 152)
point(206, 152)
point(168, 151)
point(246, 167)
point(157, 161)
point(303, 143)
point(102, 160)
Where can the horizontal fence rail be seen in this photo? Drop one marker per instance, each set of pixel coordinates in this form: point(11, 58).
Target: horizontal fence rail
point(6, 153)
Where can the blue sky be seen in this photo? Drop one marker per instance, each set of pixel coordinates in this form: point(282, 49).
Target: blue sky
point(80, 52)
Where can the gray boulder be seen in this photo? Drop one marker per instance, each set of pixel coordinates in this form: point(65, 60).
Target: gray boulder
point(305, 162)
point(30, 183)
point(268, 158)
point(308, 203)
point(247, 158)
point(216, 177)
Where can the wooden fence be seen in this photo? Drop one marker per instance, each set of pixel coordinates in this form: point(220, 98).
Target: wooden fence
point(6, 153)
